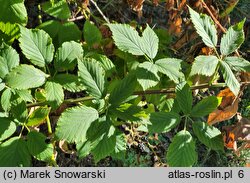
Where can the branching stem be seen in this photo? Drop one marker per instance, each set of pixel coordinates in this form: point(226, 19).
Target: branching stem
point(148, 92)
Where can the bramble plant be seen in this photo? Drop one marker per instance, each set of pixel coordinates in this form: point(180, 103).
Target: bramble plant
point(33, 84)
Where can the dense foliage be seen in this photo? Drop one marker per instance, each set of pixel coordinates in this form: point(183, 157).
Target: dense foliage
point(52, 71)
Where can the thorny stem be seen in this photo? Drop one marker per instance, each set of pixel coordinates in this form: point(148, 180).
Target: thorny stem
point(195, 87)
point(148, 92)
point(67, 101)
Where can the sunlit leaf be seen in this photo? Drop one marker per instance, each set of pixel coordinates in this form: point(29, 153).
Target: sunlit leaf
point(181, 152)
point(230, 78)
point(205, 28)
point(25, 77)
point(74, 123)
point(232, 39)
point(147, 76)
point(204, 65)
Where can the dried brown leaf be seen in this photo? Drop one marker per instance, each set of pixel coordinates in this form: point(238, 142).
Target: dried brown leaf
point(238, 132)
point(227, 109)
point(206, 51)
point(136, 5)
point(182, 5)
point(64, 146)
point(245, 76)
point(170, 4)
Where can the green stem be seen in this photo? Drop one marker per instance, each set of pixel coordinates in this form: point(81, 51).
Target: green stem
point(27, 127)
point(191, 119)
point(47, 68)
point(67, 101)
point(21, 131)
point(49, 125)
point(215, 74)
point(217, 54)
point(185, 125)
point(148, 58)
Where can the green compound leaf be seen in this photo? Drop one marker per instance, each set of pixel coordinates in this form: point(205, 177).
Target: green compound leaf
point(67, 56)
point(69, 82)
point(61, 32)
point(150, 42)
point(14, 152)
point(238, 64)
point(208, 135)
point(25, 77)
point(95, 134)
point(229, 78)
point(37, 46)
point(38, 116)
point(171, 67)
point(6, 99)
point(105, 146)
point(106, 64)
point(24, 95)
point(13, 11)
point(147, 76)
point(233, 38)
point(91, 75)
point(205, 27)
point(19, 109)
point(91, 33)
point(127, 39)
point(184, 97)
point(58, 9)
point(38, 148)
point(83, 149)
point(205, 106)
point(73, 124)
point(123, 90)
point(181, 152)
point(2, 85)
point(120, 146)
point(204, 65)
point(54, 94)
point(127, 112)
point(163, 121)
point(7, 128)
point(9, 59)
